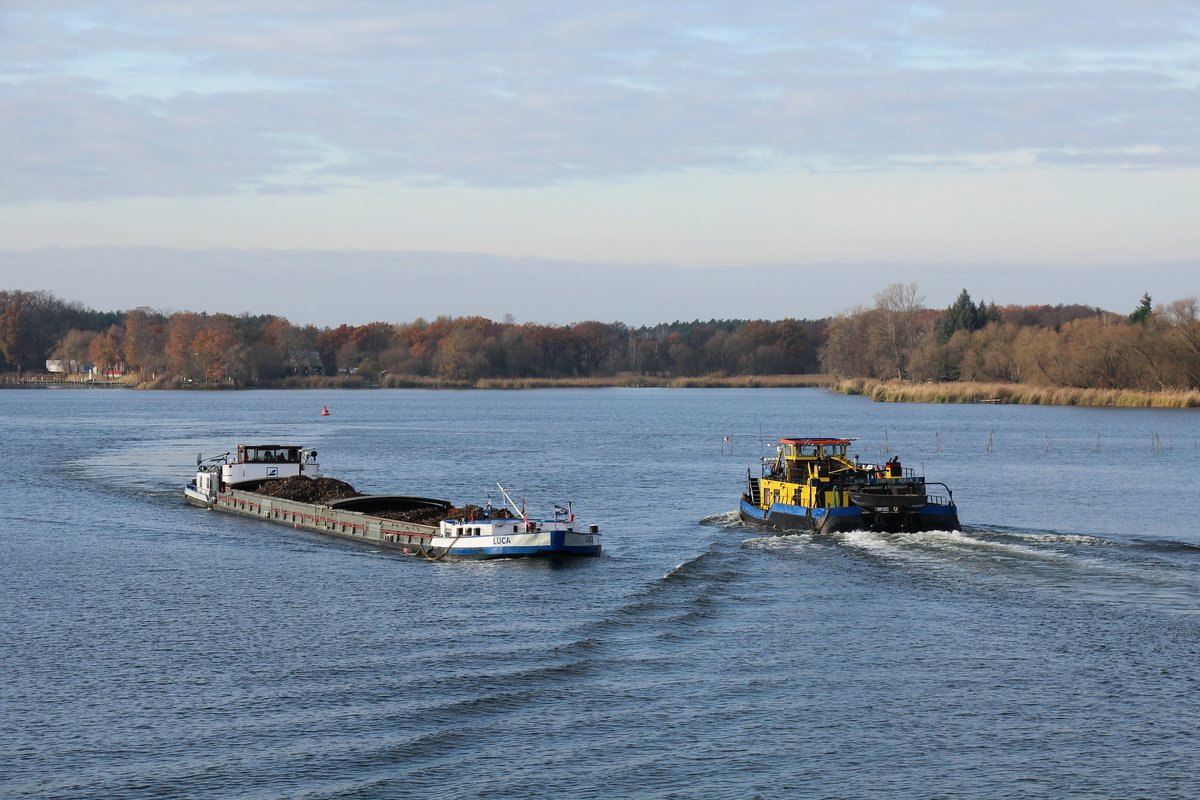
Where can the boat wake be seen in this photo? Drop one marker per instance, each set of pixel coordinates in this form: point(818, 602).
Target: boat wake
point(1155, 573)
point(1168, 546)
point(706, 566)
point(779, 542)
point(1075, 540)
point(726, 519)
point(671, 604)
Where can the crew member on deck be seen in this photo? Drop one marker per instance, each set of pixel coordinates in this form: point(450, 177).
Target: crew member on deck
point(893, 467)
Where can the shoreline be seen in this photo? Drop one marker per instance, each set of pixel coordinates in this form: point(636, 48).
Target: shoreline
point(893, 391)
point(424, 382)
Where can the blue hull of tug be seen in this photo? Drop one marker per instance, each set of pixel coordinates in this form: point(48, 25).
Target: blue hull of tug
point(929, 517)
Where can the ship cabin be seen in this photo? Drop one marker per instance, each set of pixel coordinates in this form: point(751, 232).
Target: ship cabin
point(259, 462)
point(802, 460)
point(817, 473)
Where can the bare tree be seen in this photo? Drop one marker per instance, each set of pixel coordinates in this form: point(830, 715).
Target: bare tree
point(1183, 317)
point(899, 332)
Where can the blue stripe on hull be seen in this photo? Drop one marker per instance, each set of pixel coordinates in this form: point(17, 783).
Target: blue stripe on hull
point(753, 512)
point(831, 520)
point(506, 552)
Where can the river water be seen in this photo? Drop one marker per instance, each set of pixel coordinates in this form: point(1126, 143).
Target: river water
point(1050, 649)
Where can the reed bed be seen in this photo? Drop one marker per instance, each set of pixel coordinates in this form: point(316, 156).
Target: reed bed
point(1014, 393)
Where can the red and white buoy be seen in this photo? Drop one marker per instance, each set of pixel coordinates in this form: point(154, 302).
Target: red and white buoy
point(324, 411)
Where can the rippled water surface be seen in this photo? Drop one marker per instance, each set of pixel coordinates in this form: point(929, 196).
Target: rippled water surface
point(1050, 649)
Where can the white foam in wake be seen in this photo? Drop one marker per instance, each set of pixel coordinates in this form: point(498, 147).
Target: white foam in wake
point(1065, 538)
point(925, 543)
point(727, 519)
point(779, 542)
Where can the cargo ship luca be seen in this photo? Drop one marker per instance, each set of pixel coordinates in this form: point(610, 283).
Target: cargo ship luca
point(414, 525)
point(813, 485)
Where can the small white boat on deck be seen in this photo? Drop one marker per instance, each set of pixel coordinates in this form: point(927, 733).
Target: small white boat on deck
point(505, 533)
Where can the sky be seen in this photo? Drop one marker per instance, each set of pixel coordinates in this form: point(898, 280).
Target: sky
point(359, 160)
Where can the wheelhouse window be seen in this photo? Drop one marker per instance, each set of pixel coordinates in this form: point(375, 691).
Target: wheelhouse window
point(270, 454)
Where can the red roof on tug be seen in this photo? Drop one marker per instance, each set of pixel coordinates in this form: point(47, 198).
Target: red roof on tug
point(795, 440)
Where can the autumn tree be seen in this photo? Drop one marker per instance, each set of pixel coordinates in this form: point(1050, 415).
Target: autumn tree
point(14, 342)
point(33, 323)
point(331, 343)
point(106, 352)
point(75, 349)
point(215, 354)
point(1183, 335)
point(846, 353)
point(145, 339)
point(990, 355)
point(182, 329)
point(459, 356)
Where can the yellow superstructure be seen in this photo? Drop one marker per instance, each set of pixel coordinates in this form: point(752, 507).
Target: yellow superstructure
point(808, 473)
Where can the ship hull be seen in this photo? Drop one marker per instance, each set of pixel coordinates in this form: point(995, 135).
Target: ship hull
point(785, 517)
point(541, 544)
point(194, 497)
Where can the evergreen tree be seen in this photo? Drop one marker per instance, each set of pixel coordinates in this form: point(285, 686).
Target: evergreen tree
point(1142, 312)
point(989, 313)
point(962, 315)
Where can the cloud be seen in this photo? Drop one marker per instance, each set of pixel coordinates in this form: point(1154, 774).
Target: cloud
point(152, 98)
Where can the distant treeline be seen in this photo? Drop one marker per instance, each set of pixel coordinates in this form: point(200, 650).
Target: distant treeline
point(1152, 348)
point(246, 350)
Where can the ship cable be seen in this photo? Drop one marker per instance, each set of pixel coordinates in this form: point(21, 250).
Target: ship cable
point(428, 557)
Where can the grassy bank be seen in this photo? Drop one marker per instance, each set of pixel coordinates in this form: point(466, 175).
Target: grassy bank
point(967, 392)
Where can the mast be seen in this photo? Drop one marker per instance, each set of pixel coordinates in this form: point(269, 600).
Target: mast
point(520, 511)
